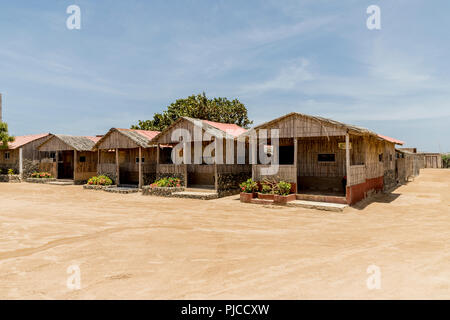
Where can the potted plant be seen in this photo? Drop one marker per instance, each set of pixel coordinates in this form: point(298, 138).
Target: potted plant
point(248, 190)
point(266, 192)
point(282, 193)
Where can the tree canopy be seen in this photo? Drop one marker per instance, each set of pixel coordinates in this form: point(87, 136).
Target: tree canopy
point(5, 138)
point(200, 107)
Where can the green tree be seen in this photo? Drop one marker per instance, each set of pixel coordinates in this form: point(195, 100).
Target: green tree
point(200, 107)
point(5, 138)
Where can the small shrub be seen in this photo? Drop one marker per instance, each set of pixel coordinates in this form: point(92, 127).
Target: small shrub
point(100, 181)
point(266, 189)
point(169, 182)
point(283, 188)
point(10, 172)
point(249, 186)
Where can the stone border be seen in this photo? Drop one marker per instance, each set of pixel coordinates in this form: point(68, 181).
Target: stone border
point(15, 178)
point(95, 187)
point(160, 191)
point(115, 189)
point(39, 180)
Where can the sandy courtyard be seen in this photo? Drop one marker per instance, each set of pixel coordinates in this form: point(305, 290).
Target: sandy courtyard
point(131, 246)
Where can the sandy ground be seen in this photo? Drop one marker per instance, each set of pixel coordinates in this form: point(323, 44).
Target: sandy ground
point(136, 247)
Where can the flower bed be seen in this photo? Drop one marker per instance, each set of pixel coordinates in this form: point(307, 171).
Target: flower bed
point(163, 187)
point(270, 192)
point(41, 175)
point(169, 182)
point(99, 181)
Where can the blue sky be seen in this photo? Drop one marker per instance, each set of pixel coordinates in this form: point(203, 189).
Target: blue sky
point(133, 58)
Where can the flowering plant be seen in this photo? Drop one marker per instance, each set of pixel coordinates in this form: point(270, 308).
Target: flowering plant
point(169, 182)
point(248, 186)
point(100, 181)
point(41, 175)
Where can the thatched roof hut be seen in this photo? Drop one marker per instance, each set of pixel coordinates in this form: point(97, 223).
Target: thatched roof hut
point(128, 156)
point(72, 157)
point(321, 155)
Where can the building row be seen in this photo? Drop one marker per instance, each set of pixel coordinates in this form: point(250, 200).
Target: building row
point(317, 156)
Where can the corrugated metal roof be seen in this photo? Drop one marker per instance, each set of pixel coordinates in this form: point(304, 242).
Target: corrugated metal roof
point(229, 128)
point(392, 140)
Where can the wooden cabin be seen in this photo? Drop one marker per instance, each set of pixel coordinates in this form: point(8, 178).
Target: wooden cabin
point(199, 167)
point(69, 157)
point(22, 154)
point(127, 156)
point(326, 159)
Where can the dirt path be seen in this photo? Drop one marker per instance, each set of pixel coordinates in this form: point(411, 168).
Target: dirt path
point(130, 246)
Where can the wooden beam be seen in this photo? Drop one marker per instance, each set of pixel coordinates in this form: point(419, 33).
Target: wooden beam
point(347, 158)
point(216, 178)
point(75, 161)
point(57, 164)
point(98, 161)
point(117, 167)
point(157, 154)
point(295, 163)
point(140, 167)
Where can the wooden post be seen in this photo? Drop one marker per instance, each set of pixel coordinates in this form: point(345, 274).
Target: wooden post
point(75, 165)
point(57, 164)
point(216, 178)
point(347, 158)
point(157, 154)
point(117, 167)
point(295, 163)
point(140, 167)
point(20, 162)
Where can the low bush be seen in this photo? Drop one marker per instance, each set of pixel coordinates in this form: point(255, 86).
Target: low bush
point(169, 182)
point(11, 172)
point(100, 181)
point(266, 189)
point(41, 175)
point(283, 188)
point(249, 186)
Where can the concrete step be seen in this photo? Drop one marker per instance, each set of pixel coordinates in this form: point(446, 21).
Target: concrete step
point(326, 206)
point(321, 198)
point(62, 182)
point(196, 195)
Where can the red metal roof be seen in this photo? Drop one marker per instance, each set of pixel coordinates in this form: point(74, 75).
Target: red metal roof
point(392, 140)
point(94, 139)
point(23, 140)
point(230, 128)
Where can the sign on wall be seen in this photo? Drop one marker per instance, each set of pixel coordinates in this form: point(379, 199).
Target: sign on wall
point(341, 145)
